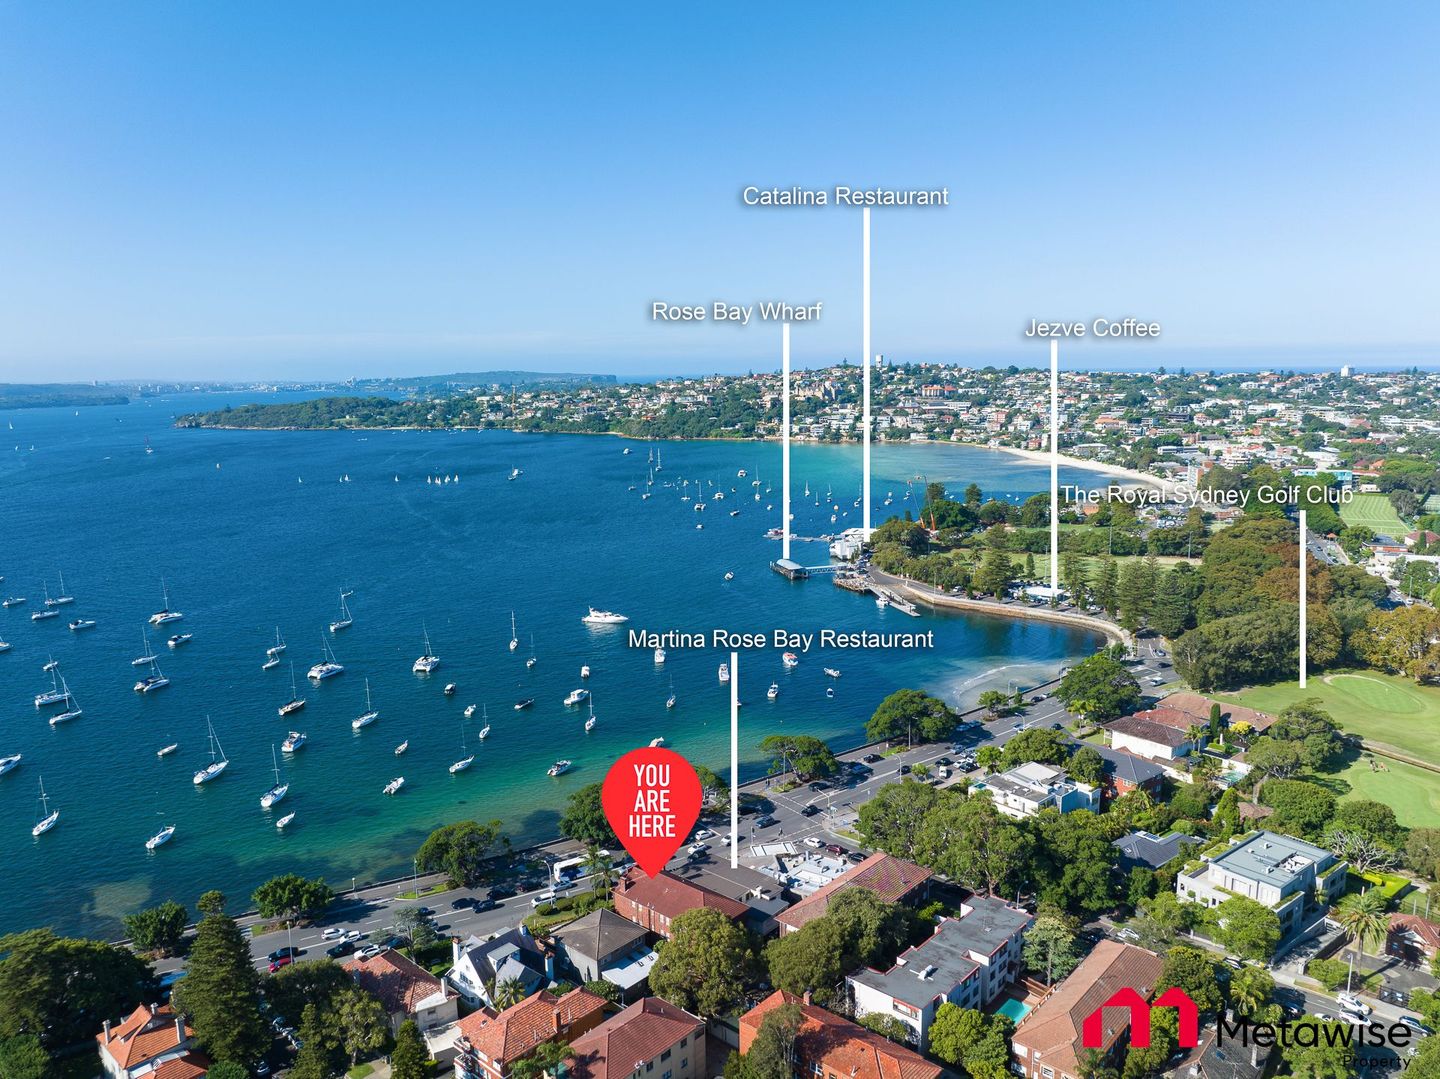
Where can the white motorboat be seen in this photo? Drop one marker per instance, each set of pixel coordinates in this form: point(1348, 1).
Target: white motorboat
point(165, 614)
point(531, 661)
point(218, 761)
point(284, 821)
point(13, 601)
point(724, 672)
point(345, 621)
point(790, 660)
point(179, 639)
point(9, 764)
point(559, 768)
point(585, 671)
point(48, 817)
point(516, 473)
point(656, 743)
point(296, 702)
point(729, 575)
point(590, 724)
point(577, 696)
point(82, 624)
point(469, 711)
point(659, 656)
point(402, 747)
point(165, 751)
point(831, 672)
point(279, 790)
point(327, 667)
point(293, 741)
point(604, 618)
point(524, 703)
point(369, 716)
point(152, 681)
point(160, 838)
point(450, 688)
point(773, 691)
point(393, 787)
point(428, 662)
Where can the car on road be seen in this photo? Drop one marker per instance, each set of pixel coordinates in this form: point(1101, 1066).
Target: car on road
point(425, 912)
point(354, 935)
point(283, 953)
point(1059, 726)
point(1352, 1003)
point(335, 932)
point(345, 947)
point(503, 891)
point(394, 942)
point(1127, 934)
point(370, 951)
point(1415, 1025)
point(764, 822)
point(1017, 726)
point(541, 899)
point(860, 770)
point(1157, 681)
point(283, 961)
point(697, 848)
point(834, 848)
point(1039, 697)
point(810, 810)
point(903, 770)
point(703, 833)
point(819, 785)
point(870, 758)
point(463, 902)
point(944, 762)
point(813, 843)
point(480, 906)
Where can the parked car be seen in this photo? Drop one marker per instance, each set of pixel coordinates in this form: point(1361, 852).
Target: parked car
point(334, 932)
point(542, 899)
point(857, 856)
point(425, 912)
point(904, 770)
point(345, 947)
point(810, 810)
point(1057, 726)
point(354, 935)
point(283, 961)
point(463, 902)
point(1352, 1003)
point(819, 785)
point(703, 833)
point(370, 951)
point(697, 848)
point(834, 848)
point(1415, 1025)
point(870, 758)
point(764, 822)
point(503, 891)
point(287, 953)
point(815, 844)
point(943, 761)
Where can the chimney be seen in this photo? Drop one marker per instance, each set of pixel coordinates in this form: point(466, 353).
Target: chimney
point(152, 1009)
point(107, 1030)
point(806, 997)
point(179, 1031)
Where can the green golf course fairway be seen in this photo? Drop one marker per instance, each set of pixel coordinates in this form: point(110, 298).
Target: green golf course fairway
point(1414, 793)
point(1375, 512)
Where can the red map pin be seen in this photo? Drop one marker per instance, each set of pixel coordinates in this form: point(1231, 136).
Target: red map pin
point(652, 800)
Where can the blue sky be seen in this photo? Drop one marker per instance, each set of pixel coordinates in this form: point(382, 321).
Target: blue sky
point(272, 190)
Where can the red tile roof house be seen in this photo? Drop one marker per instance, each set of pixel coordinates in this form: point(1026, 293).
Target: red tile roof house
point(406, 990)
point(655, 902)
point(892, 879)
point(1412, 937)
point(152, 1041)
point(651, 1039)
point(490, 1042)
point(1047, 1043)
point(829, 1047)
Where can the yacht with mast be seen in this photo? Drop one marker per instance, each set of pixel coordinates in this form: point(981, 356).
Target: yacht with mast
point(277, 792)
point(590, 723)
point(160, 838)
point(296, 702)
point(514, 640)
point(165, 614)
point(485, 720)
point(13, 601)
point(428, 661)
point(49, 610)
point(218, 763)
point(278, 647)
point(54, 695)
point(345, 621)
point(370, 715)
point(146, 656)
point(285, 820)
point(326, 668)
point(465, 760)
point(152, 681)
point(62, 598)
point(48, 817)
point(8, 764)
point(72, 711)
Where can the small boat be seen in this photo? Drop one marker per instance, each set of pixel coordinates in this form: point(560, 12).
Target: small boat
point(81, 624)
point(831, 672)
point(370, 715)
point(576, 696)
point(773, 691)
point(13, 601)
point(699, 527)
point(428, 662)
point(393, 787)
point(402, 747)
point(516, 473)
point(48, 817)
point(296, 702)
point(328, 667)
point(146, 656)
point(514, 640)
point(217, 764)
point(52, 696)
point(293, 741)
point(51, 664)
point(462, 764)
point(469, 711)
point(4, 646)
point(724, 672)
point(829, 691)
point(670, 700)
point(40, 616)
point(559, 768)
point(270, 664)
point(531, 661)
point(152, 681)
point(590, 724)
point(165, 751)
point(279, 790)
point(585, 671)
point(9, 764)
point(179, 639)
point(279, 645)
point(165, 614)
point(655, 743)
point(659, 656)
point(62, 598)
point(729, 575)
point(285, 820)
point(790, 660)
point(604, 618)
point(74, 711)
point(450, 689)
point(524, 703)
point(345, 621)
point(160, 838)
point(882, 601)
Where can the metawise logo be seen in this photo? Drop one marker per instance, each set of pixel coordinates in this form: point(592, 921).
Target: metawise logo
point(1092, 1031)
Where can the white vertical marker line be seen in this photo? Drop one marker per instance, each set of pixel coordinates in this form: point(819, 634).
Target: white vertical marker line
point(785, 437)
point(865, 352)
point(734, 760)
point(1054, 465)
point(1304, 619)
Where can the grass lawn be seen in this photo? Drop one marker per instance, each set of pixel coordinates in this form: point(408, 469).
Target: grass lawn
point(1378, 707)
point(1374, 511)
point(1414, 793)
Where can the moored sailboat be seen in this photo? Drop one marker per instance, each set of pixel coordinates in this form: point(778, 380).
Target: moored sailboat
point(369, 716)
point(218, 761)
point(279, 790)
point(48, 817)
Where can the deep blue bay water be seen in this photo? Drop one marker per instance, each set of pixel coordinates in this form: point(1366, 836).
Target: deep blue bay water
point(272, 535)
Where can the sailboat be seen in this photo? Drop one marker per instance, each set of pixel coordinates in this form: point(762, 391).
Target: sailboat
point(428, 662)
point(165, 751)
point(149, 449)
point(152, 681)
point(62, 598)
point(54, 695)
point(160, 838)
point(285, 820)
point(514, 641)
point(370, 715)
point(165, 614)
point(10, 763)
point(74, 711)
point(531, 661)
point(326, 668)
point(402, 747)
point(49, 611)
point(279, 645)
point(271, 662)
point(465, 761)
point(296, 702)
point(277, 792)
point(48, 818)
point(345, 621)
point(484, 719)
point(217, 764)
point(670, 700)
point(145, 656)
point(590, 723)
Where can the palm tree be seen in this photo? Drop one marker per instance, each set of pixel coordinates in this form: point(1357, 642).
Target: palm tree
point(505, 993)
point(1363, 916)
point(601, 866)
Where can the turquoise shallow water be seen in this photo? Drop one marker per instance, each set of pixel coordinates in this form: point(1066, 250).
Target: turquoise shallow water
point(247, 546)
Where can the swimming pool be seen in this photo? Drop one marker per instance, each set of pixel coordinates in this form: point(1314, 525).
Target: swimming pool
point(1014, 1010)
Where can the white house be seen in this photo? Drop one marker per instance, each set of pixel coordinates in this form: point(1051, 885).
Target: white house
point(1024, 791)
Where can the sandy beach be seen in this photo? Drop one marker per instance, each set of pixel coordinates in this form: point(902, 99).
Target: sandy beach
point(1042, 457)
